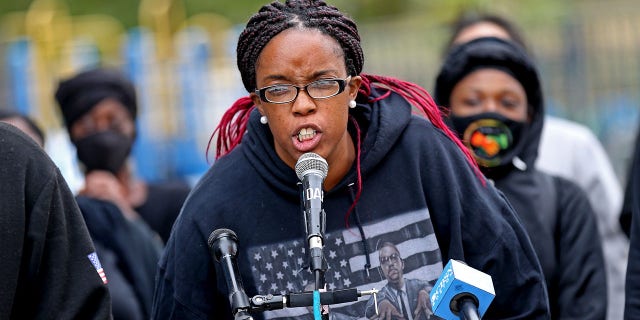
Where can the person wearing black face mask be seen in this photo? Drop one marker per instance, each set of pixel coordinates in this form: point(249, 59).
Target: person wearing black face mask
point(99, 108)
point(124, 214)
point(490, 90)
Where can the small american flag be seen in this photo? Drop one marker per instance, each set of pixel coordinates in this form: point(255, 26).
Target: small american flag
point(93, 257)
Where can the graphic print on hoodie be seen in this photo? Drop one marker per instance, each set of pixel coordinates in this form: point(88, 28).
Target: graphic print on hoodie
point(280, 268)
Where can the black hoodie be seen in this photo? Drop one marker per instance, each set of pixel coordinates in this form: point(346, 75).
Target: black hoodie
point(556, 212)
point(419, 192)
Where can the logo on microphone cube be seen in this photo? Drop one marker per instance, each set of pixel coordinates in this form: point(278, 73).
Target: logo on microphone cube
point(458, 278)
point(314, 193)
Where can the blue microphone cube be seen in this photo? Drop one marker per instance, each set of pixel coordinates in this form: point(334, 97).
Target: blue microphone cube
point(458, 279)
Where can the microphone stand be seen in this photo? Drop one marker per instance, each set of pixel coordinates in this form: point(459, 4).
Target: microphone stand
point(262, 303)
point(468, 309)
point(314, 226)
point(318, 265)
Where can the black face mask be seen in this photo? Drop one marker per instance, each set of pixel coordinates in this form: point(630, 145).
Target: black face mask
point(104, 150)
point(492, 138)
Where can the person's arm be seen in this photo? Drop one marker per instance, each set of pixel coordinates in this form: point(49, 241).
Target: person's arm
point(627, 204)
point(64, 281)
point(581, 271)
point(103, 185)
point(137, 248)
point(632, 288)
point(571, 150)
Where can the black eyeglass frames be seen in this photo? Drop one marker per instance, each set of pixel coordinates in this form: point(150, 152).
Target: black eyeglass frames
point(319, 89)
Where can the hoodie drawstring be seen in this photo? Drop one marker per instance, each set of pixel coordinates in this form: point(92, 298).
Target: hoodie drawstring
point(363, 237)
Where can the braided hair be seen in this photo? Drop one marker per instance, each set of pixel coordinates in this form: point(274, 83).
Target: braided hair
point(305, 14)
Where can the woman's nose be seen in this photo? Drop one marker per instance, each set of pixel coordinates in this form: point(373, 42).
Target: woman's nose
point(303, 104)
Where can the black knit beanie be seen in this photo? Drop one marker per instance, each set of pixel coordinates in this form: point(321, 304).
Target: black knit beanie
point(79, 94)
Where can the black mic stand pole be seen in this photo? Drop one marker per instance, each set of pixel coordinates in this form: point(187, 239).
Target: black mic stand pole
point(318, 266)
point(468, 309)
point(317, 263)
point(314, 226)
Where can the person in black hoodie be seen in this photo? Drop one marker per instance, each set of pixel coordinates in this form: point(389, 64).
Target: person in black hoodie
point(49, 268)
point(491, 91)
point(585, 162)
point(392, 177)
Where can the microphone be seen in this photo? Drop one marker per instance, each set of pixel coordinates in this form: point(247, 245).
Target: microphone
point(312, 169)
point(223, 245)
point(461, 292)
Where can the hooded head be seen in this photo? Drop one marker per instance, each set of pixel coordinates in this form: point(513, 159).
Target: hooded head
point(510, 58)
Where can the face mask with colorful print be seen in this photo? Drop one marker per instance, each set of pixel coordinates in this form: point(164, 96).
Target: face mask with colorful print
point(491, 137)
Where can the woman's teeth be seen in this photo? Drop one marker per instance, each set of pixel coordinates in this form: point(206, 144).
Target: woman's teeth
point(306, 134)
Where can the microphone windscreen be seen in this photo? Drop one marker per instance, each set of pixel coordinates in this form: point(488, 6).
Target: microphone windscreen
point(310, 162)
point(222, 241)
point(459, 280)
point(221, 233)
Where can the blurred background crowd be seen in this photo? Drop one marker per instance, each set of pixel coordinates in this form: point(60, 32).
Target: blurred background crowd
point(180, 54)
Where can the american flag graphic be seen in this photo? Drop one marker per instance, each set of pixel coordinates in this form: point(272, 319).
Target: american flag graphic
point(281, 268)
point(93, 257)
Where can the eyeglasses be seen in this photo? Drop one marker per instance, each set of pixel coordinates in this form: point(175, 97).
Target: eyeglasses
point(320, 89)
point(395, 258)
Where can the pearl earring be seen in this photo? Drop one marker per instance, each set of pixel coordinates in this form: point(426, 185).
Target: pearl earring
point(264, 120)
point(352, 104)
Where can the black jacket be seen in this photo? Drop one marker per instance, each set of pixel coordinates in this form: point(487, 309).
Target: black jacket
point(131, 253)
point(48, 265)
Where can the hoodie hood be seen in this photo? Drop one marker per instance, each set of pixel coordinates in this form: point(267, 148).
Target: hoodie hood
point(494, 53)
point(380, 123)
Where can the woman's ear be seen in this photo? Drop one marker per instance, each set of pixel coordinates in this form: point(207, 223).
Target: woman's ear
point(256, 102)
point(354, 86)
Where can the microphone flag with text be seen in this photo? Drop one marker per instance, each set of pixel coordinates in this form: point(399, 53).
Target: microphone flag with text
point(223, 245)
point(312, 169)
point(461, 292)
